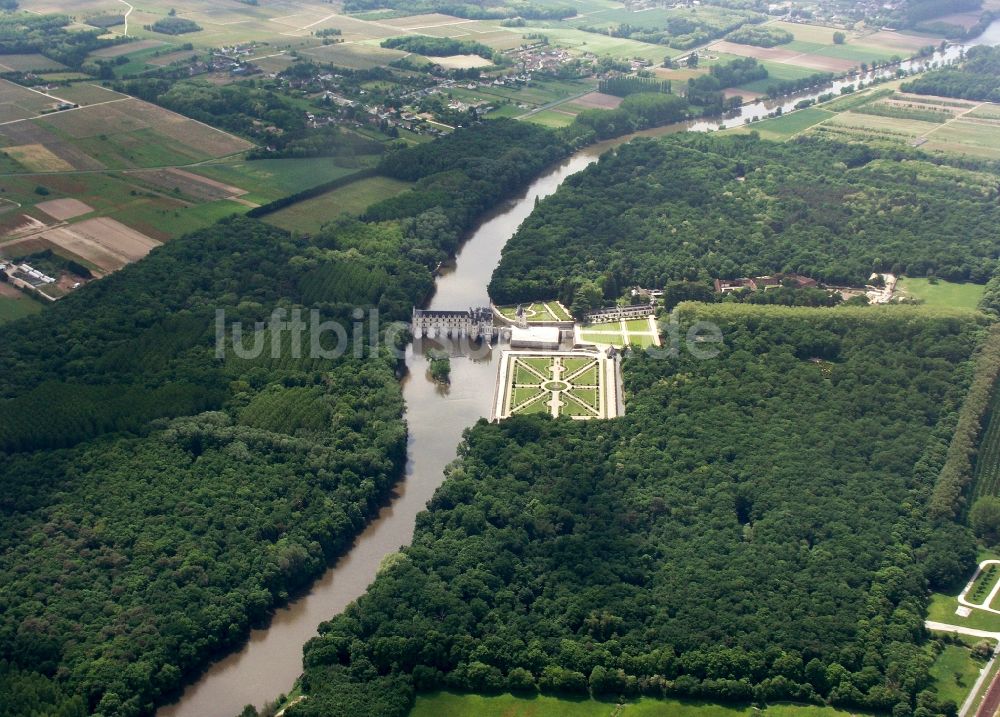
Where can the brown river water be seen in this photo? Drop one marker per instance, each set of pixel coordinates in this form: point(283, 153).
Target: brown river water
point(271, 660)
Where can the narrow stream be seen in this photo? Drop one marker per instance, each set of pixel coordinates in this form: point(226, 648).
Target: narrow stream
point(272, 659)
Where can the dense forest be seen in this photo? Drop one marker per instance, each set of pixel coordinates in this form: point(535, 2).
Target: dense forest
point(978, 77)
point(157, 499)
point(696, 207)
point(754, 528)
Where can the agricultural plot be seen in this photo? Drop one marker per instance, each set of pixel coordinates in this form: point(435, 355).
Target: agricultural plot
point(103, 243)
point(355, 56)
point(123, 133)
point(976, 137)
point(566, 384)
point(63, 209)
point(186, 185)
point(781, 128)
point(32, 62)
point(987, 110)
point(268, 179)
point(15, 304)
point(38, 158)
point(310, 215)
point(813, 50)
point(87, 93)
point(129, 48)
point(126, 198)
point(163, 218)
point(17, 102)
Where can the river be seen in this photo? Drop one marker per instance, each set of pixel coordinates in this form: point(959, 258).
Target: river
point(272, 658)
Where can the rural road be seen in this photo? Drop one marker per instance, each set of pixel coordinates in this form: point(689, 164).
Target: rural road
point(127, 13)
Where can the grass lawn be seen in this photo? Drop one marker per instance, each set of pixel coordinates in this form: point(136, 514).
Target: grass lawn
point(12, 308)
point(954, 673)
point(446, 704)
point(942, 293)
point(606, 337)
point(587, 378)
point(353, 199)
point(942, 609)
point(542, 365)
point(905, 128)
point(641, 325)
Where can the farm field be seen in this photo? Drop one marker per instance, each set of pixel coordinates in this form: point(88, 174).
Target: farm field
point(786, 126)
point(88, 93)
point(268, 179)
point(222, 24)
point(447, 704)
point(125, 133)
point(310, 215)
point(941, 293)
point(17, 102)
point(15, 304)
point(813, 50)
point(884, 115)
point(32, 62)
point(164, 219)
point(358, 56)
